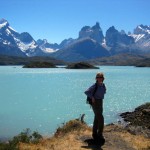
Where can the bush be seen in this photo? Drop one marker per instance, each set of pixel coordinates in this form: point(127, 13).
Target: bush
point(72, 125)
point(24, 137)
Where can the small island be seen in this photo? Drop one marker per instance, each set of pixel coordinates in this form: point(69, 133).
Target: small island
point(81, 65)
point(39, 65)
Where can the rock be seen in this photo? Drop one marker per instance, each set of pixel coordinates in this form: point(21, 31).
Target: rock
point(146, 111)
point(138, 119)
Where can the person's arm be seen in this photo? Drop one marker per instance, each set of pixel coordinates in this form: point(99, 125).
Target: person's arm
point(89, 91)
point(105, 88)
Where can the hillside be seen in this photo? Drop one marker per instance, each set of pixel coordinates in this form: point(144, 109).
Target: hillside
point(13, 60)
point(39, 65)
point(81, 50)
point(117, 138)
point(125, 59)
point(76, 135)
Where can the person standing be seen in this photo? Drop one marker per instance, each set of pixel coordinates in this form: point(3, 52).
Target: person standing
point(96, 92)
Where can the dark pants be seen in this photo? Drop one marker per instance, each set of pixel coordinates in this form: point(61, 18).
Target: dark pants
point(98, 124)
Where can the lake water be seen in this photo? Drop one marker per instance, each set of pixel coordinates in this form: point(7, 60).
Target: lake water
point(43, 99)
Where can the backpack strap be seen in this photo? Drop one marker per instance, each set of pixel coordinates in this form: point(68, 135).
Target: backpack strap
point(95, 89)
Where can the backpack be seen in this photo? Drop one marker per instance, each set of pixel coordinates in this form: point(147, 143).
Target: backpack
point(88, 99)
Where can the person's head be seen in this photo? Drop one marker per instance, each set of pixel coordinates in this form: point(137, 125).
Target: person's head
point(100, 77)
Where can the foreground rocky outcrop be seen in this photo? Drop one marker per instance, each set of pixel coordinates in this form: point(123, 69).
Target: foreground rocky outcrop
point(138, 121)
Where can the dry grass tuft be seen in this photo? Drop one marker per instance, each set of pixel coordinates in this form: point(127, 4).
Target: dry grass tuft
point(72, 125)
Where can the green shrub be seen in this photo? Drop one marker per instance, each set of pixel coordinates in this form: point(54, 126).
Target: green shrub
point(25, 137)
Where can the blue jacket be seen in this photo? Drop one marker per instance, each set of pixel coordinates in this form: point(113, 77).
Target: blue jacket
point(100, 92)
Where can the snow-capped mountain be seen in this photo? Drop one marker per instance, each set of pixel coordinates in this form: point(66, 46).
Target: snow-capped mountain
point(21, 44)
point(47, 47)
point(12, 39)
point(141, 37)
point(90, 43)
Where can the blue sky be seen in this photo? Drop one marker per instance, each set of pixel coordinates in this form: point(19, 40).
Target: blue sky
point(56, 20)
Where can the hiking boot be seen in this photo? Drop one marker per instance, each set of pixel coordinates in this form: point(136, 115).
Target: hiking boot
point(100, 140)
point(95, 136)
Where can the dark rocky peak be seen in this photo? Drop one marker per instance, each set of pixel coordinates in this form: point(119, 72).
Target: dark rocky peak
point(26, 37)
point(112, 30)
point(96, 26)
point(114, 38)
point(122, 32)
point(111, 36)
point(85, 28)
point(94, 32)
point(86, 31)
point(142, 29)
point(129, 33)
point(41, 42)
point(66, 42)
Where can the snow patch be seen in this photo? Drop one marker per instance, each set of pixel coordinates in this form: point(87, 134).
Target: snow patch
point(12, 29)
point(6, 42)
point(3, 25)
point(8, 32)
point(48, 50)
point(137, 37)
point(105, 45)
point(25, 46)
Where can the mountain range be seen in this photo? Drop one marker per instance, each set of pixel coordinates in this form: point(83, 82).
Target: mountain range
point(90, 44)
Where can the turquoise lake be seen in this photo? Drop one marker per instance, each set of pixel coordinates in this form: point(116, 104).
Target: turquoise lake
point(43, 99)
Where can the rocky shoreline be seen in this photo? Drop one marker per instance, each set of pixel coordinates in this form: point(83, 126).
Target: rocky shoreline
point(138, 121)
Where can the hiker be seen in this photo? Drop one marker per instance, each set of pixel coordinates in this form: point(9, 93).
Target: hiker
point(96, 92)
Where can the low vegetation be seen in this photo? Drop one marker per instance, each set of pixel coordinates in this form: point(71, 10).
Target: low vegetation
point(24, 137)
point(81, 65)
point(125, 59)
point(39, 65)
point(144, 63)
point(14, 60)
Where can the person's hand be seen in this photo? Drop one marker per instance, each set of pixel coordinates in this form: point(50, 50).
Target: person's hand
point(93, 100)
